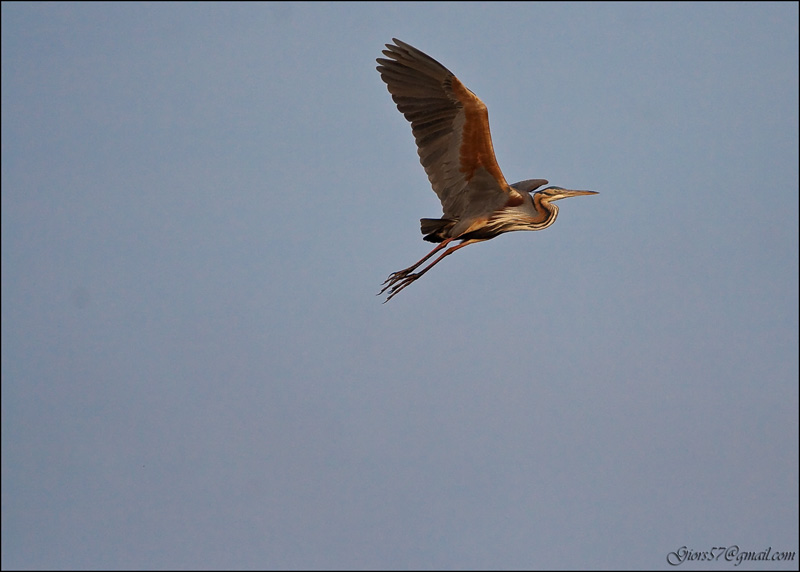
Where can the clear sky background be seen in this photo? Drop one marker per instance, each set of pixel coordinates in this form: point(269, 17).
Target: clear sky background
point(200, 202)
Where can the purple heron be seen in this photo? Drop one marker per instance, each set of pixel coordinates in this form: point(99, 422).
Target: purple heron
point(451, 127)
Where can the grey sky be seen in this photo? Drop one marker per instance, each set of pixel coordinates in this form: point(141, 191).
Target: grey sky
point(200, 202)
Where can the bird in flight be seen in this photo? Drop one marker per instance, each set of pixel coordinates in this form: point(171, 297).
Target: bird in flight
point(451, 127)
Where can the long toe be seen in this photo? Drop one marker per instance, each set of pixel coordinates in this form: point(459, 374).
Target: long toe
point(388, 284)
point(393, 279)
point(395, 290)
point(395, 276)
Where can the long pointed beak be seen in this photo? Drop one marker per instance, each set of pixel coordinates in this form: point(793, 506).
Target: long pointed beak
point(566, 193)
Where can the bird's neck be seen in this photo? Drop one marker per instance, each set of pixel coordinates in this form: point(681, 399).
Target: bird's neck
point(544, 214)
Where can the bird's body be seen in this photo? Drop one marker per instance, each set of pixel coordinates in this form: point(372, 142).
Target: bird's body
point(451, 128)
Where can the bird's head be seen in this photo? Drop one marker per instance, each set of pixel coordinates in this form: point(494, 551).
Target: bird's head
point(551, 194)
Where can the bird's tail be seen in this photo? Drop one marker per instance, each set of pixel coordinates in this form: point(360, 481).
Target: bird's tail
point(436, 229)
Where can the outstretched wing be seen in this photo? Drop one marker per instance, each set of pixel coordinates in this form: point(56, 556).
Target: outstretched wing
point(451, 128)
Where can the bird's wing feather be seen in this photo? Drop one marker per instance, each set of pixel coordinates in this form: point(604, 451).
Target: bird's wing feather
point(451, 128)
point(529, 185)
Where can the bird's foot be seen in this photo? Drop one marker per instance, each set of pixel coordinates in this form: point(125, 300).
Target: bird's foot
point(394, 278)
point(396, 282)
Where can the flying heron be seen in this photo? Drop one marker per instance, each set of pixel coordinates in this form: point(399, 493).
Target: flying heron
point(451, 127)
